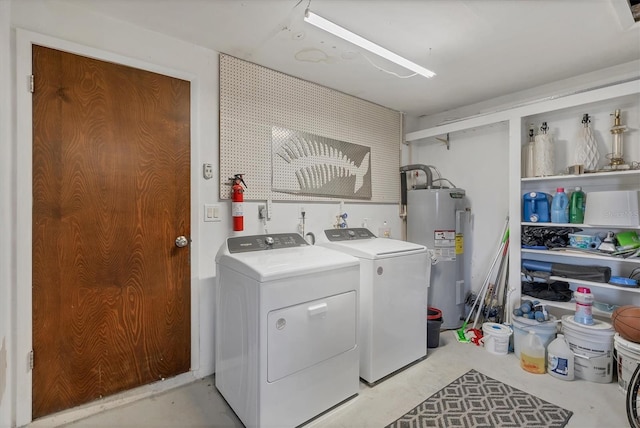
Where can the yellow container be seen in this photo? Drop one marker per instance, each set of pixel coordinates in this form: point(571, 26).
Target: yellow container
point(532, 355)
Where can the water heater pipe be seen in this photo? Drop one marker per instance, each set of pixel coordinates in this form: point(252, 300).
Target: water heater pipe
point(425, 168)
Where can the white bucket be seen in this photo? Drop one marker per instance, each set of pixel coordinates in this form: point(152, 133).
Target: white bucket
point(546, 331)
point(496, 338)
point(628, 358)
point(592, 346)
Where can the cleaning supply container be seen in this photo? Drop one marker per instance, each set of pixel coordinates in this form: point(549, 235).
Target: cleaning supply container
point(628, 357)
point(532, 354)
point(535, 207)
point(560, 207)
point(496, 338)
point(576, 206)
point(546, 331)
point(434, 321)
point(592, 347)
point(584, 306)
point(560, 360)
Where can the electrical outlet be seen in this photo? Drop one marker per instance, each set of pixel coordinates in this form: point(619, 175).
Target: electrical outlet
point(269, 209)
point(207, 171)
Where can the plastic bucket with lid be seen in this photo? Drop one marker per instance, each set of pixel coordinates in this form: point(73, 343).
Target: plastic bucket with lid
point(546, 331)
point(592, 347)
point(496, 338)
point(434, 321)
point(628, 358)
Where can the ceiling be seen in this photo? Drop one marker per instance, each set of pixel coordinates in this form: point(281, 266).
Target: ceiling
point(480, 49)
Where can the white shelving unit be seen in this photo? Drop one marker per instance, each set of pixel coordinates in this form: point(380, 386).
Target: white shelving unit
point(563, 115)
point(560, 120)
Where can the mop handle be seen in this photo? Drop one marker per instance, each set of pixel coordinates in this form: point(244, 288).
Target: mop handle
point(505, 234)
point(485, 287)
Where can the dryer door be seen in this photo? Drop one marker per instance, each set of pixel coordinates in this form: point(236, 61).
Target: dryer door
point(303, 335)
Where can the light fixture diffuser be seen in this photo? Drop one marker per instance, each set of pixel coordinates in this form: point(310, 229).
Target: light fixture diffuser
point(347, 35)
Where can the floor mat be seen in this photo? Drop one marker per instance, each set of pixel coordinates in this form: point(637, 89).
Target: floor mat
point(476, 400)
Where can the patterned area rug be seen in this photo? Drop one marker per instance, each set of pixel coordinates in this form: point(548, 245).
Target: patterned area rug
point(476, 400)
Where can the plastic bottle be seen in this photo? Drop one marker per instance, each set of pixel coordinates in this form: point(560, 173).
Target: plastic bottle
point(560, 207)
point(576, 206)
point(532, 354)
point(584, 304)
point(560, 359)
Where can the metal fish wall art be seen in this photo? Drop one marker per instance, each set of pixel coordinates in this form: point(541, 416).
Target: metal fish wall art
point(318, 163)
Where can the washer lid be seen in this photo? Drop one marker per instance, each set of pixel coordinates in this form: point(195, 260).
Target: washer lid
point(376, 248)
point(276, 264)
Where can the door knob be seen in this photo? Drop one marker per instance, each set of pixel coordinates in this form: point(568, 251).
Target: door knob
point(181, 241)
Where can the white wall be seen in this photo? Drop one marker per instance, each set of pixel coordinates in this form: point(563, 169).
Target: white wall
point(65, 27)
point(484, 162)
point(605, 77)
point(477, 162)
point(6, 217)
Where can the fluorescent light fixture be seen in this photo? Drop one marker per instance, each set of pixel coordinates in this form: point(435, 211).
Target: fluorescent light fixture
point(347, 35)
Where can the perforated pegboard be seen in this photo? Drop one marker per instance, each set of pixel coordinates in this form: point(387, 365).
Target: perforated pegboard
point(255, 99)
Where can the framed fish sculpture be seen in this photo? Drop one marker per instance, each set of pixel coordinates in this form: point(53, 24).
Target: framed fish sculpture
point(308, 164)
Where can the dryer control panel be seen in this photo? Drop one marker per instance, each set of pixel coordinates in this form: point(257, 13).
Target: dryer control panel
point(242, 244)
point(348, 234)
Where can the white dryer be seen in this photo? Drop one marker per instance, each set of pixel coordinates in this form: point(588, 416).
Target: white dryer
point(394, 280)
point(286, 328)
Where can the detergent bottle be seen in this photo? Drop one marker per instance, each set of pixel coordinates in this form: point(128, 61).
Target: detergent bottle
point(584, 303)
point(532, 354)
point(560, 359)
point(576, 207)
point(536, 207)
point(560, 207)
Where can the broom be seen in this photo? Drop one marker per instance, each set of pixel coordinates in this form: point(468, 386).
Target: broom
point(493, 301)
point(502, 251)
point(460, 333)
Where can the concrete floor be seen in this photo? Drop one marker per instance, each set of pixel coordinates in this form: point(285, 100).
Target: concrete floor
point(198, 404)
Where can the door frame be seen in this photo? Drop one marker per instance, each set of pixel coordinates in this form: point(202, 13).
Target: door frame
point(24, 173)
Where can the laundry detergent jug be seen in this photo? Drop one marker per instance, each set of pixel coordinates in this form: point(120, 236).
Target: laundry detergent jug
point(536, 207)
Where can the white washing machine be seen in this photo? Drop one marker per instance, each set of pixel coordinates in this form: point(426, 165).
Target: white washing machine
point(394, 281)
point(286, 328)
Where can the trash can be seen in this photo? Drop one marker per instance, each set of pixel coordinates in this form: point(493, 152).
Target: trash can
point(434, 321)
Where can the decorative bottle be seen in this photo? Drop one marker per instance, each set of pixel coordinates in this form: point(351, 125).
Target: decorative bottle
point(543, 153)
point(586, 151)
point(529, 155)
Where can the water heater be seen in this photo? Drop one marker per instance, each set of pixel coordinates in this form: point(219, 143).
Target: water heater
point(435, 220)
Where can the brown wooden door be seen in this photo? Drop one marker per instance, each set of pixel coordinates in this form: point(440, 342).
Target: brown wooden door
point(111, 291)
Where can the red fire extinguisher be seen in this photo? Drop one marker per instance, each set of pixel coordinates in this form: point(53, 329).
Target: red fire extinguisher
point(237, 200)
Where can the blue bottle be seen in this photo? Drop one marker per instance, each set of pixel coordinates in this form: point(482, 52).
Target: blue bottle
point(560, 207)
point(536, 207)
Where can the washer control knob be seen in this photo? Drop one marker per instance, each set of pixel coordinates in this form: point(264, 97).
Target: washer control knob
point(268, 240)
point(351, 233)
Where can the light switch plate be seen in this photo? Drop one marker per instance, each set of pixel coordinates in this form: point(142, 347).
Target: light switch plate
point(211, 212)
